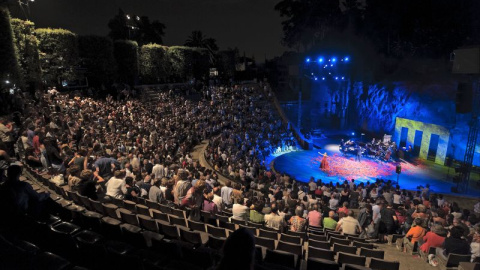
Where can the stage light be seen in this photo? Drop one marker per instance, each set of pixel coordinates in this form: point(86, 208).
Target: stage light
point(346, 59)
point(308, 60)
point(320, 60)
point(331, 65)
point(323, 78)
point(7, 82)
point(128, 17)
point(336, 78)
point(343, 78)
point(138, 18)
point(329, 73)
point(334, 59)
point(353, 133)
point(316, 78)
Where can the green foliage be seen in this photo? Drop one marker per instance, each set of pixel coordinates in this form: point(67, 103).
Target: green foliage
point(96, 54)
point(9, 67)
point(155, 66)
point(26, 44)
point(126, 56)
point(188, 63)
point(58, 54)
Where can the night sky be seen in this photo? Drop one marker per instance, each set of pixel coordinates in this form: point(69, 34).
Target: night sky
point(251, 25)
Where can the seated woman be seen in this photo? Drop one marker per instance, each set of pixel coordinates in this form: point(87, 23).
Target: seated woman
point(297, 222)
point(415, 233)
point(434, 238)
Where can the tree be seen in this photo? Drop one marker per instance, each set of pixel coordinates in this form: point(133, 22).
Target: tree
point(198, 40)
point(138, 28)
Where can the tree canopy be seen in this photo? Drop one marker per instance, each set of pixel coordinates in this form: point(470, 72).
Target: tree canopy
point(398, 28)
point(137, 28)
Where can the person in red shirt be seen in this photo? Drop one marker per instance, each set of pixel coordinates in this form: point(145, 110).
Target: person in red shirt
point(434, 238)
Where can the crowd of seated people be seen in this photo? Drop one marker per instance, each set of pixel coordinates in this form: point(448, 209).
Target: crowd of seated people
point(111, 150)
point(250, 132)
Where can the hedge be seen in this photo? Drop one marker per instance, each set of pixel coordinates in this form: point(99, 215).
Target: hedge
point(96, 54)
point(58, 54)
point(126, 56)
point(9, 65)
point(26, 44)
point(155, 66)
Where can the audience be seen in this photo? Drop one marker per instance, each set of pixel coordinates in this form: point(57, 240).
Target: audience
point(127, 149)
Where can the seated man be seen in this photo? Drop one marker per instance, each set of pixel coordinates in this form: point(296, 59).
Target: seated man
point(349, 224)
point(329, 222)
point(273, 219)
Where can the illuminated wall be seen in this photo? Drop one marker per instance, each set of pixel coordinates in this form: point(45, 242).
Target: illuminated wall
point(428, 130)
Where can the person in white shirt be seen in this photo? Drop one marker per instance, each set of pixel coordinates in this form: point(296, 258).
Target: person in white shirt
point(217, 199)
point(116, 185)
point(273, 220)
point(349, 224)
point(158, 170)
point(241, 211)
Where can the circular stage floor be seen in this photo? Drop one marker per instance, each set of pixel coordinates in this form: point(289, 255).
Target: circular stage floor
point(305, 163)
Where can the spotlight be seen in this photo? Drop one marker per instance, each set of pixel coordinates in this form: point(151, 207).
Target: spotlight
point(128, 17)
point(334, 59)
point(353, 133)
point(316, 78)
point(336, 78)
point(346, 59)
point(312, 73)
point(7, 82)
point(308, 60)
point(343, 78)
point(323, 78)
point(331, 65)
point(138, 18)
point(320, 60)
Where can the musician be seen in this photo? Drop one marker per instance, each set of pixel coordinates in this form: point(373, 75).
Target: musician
point(358, 157)
point(324, 162)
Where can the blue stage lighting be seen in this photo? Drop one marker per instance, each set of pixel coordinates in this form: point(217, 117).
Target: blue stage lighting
point(316, 78)
point(331, 65)
point(320, 60)
point(353, 133)
point(336, 78)
point(334, 59)
point(346, 59)
point(308, 60)
point(323, 78)
point(343, 78)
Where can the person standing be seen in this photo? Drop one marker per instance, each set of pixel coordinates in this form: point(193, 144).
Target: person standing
point(358, 157)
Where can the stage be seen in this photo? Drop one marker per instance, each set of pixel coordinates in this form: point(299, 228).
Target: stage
point(304, 164)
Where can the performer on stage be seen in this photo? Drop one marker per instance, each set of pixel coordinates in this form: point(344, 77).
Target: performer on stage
point(358, 157)
point(342, 147)
point(324, 162)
